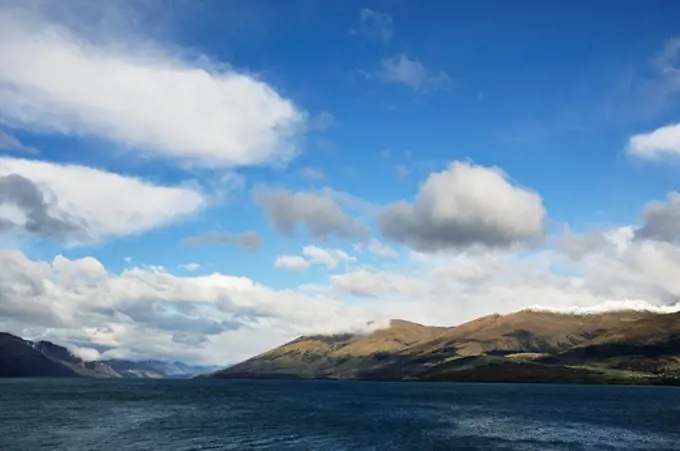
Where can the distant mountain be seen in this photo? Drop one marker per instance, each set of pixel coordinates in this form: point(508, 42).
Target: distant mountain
point(23, 358)
point(156, 369)
point(528, 346)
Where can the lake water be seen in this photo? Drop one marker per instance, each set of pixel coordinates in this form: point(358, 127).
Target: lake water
point(89, 415)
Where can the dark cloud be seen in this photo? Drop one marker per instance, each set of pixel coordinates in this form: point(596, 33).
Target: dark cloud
point(29, 199)
point(250, 241)
point(661, 220)
point(319, 213)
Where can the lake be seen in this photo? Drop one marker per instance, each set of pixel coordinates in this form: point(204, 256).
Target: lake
point(172, 415)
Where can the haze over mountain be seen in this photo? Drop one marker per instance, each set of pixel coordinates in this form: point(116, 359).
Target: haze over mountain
point(527, 346)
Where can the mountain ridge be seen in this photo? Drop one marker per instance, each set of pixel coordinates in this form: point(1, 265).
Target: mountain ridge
point(528, 345)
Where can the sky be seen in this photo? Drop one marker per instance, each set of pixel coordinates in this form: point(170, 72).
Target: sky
point(205, 180)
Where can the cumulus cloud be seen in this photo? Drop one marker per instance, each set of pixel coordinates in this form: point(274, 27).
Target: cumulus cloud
point(661, 220)
point(462, 206)
point(412, 73)
point(79, 203)
point(140, 94)
point(251, 241)
point(320, 213)
point(664, 141)
point(11, 143)
point(374, 25)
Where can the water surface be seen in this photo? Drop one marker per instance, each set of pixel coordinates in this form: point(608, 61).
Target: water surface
point(88, 415)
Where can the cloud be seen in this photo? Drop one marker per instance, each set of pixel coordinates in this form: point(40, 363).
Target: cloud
point(314, 255)
point(664, 141)
point(374, 25)
point(661, 220)
point(322, 121)
point(191, 267)
point(377, 248)
point(23, 206)
point(140, 94)
point(577, 245)
point(10, 142)
point(667, 62)
point(89, 204)
point(291, 262)
point(463, 206)
point(151, 313)
point(310, 173)
point(381, 250)
point(319, 213)
point(251, 241)
point(220, 318)
point(400, 69)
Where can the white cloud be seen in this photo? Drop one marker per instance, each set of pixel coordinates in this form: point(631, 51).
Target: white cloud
point(292, 262)
point(141, 95)
point(191, 267)
point(330, 258)
point(219, 318)
point(104, 204)
point(149, 312)
point(377, 248)
point(403, 70)
point(463, 206)
point(314, 255)
point(664, 141)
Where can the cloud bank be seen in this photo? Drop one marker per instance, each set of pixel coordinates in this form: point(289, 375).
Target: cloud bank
point(140, 95)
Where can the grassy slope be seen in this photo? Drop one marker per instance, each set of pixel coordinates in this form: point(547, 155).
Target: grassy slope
point(331, 356)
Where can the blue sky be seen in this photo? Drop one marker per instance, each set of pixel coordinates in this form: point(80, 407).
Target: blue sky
point(335, 155)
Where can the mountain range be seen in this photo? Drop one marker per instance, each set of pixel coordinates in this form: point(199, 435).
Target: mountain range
point(24, 358)
point(633, 347)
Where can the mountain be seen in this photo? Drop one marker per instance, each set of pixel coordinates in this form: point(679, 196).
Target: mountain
point(18, 358)
point(537, 346)
point(338, 356)
point(23, 358)
point(651, 345)
point(156, 369)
